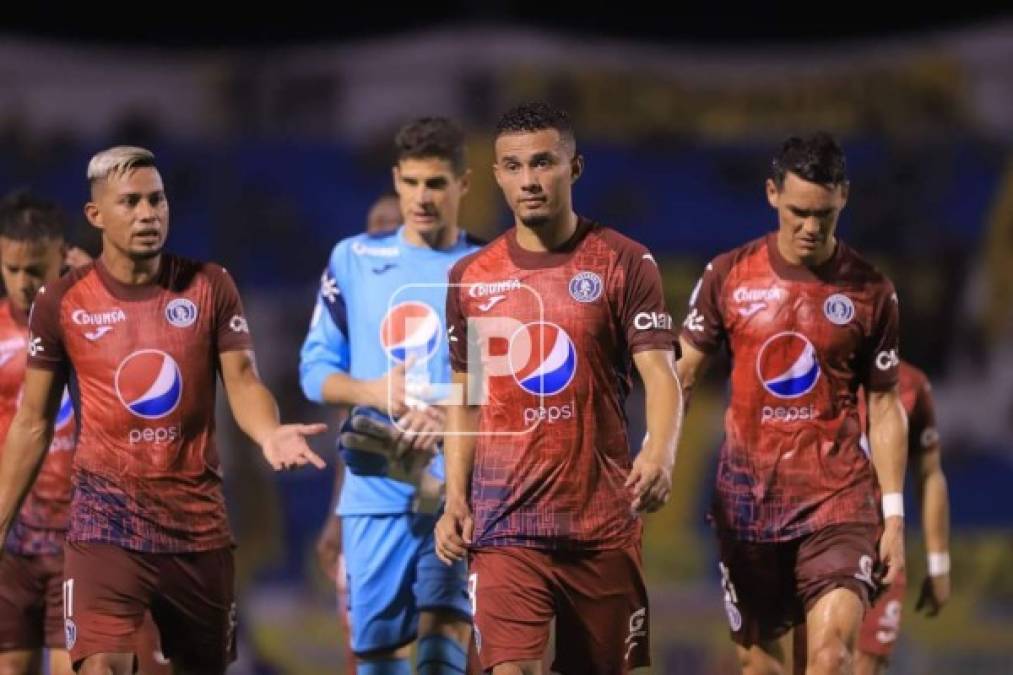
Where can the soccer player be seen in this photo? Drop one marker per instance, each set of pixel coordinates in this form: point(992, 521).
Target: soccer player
point(383, 218)
point(32, 253)
point(140, 336)
point(377, 342)
point(882, 622)
point(807, 322)
point(542, 491)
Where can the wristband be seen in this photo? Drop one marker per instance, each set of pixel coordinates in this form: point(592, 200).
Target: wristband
point(893, 505)
point(939, 564)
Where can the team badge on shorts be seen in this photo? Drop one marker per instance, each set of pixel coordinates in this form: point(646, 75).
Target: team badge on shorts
point(181, 313)
point(839, 309)
point(585, 287)
point(69, 633)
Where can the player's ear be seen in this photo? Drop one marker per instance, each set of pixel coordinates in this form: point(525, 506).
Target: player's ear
point(576, 167)
point(94, 215)
point(773, 194)
point(465, 180)
point(845, 190)
point(496, 174)
point(395, 174)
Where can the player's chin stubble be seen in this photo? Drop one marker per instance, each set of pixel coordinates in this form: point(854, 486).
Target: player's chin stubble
point(146, 254)
point(535, 222)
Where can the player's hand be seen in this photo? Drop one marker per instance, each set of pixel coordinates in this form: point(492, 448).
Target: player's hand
point(934, 594)
point(420, 430)
point(387, 393)
point(650, 481)
point(286, 447)
point(329, 547)
point(76, 257)
point(368, 434)
point(891, 549)
point(454, 531)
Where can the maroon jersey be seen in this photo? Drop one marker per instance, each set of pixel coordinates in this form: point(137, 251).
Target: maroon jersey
point(802, 342)
point(42, 522)
point(144, 358)
point(554, 333)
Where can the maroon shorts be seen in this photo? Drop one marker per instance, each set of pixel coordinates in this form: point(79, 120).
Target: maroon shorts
point(108, 589)
point(769, 586)
point(31, 602)
point(882, 621)
point(598, 599)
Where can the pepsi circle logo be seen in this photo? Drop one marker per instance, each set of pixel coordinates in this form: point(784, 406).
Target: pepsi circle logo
point(65, 414)
point(543, 359)
point(411, 329)
point(149, 383)
point(787, 365)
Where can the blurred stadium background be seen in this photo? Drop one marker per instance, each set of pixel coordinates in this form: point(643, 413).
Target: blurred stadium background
point(274, 141)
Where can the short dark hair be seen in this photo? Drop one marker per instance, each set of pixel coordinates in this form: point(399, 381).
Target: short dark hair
point(817, 159)
point(536, 116)
point(25, 217)
point(429, 137)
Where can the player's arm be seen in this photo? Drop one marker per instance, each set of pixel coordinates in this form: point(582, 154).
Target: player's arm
point(690, 368)
point(385, 393)
point(936, 524)
point(29, 436)
point(455, 528)
point(879, 369)
point(703, 329)
point(888, 436)
point(324, 359)
point(935, 502)
point(651, 475)
point(256, 413)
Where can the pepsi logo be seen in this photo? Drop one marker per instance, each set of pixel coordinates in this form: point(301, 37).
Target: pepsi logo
point(787, 365)
point(149, 383)
point(542, 357)
point(411, 329)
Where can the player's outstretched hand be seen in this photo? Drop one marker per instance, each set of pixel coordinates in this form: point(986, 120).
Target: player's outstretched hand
point(650, 481)
point(453, 532)
point(934, 594)
point(286, 447)
point(891, 550)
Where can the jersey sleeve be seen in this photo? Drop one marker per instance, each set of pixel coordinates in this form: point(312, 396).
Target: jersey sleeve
point(642, 313)
point(880, 367)
point(45, 339)
point(704, 326)
point(325, 350)
point(457, 324)
point(922, 429)
point(232, 332)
